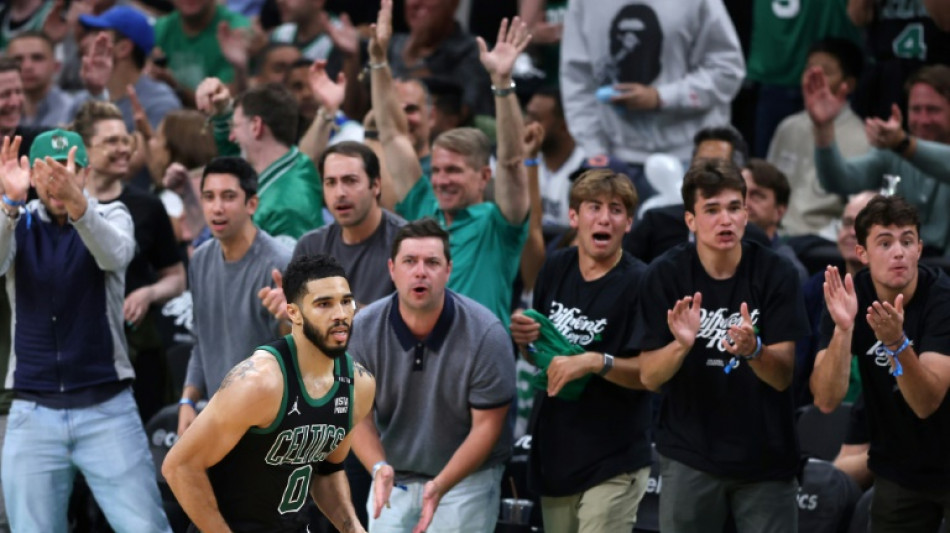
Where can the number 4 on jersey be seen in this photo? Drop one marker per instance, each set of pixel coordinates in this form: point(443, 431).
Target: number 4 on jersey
point(910, 44)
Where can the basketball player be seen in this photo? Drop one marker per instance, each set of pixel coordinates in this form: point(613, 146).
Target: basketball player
point(279, 424)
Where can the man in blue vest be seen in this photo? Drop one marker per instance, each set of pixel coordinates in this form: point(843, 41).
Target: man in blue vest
point(65, 257)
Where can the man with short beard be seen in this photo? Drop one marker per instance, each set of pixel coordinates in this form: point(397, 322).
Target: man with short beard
point(225, 274)
point(279, 426)
point(45, 104)
point(362, 232)
point(439, 435)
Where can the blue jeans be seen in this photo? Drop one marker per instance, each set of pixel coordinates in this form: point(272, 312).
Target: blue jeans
point(471, 506)
point(45, 447)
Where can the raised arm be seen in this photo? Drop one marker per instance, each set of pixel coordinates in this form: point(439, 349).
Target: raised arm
point(931, 158)
point(14, 185)
point(213, 98)
point(400, 157)
point(249, 396)
point(660, 365)
point(533, 253)
point(835, 174)
point(923, 381)
point(109, 236)
point(829, 379)
point(329, 94)
point(511, 180)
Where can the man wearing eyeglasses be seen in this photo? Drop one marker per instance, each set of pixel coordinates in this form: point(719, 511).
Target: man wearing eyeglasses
point(156, 273)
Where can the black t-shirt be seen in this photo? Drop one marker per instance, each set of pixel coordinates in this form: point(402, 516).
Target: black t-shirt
point(578, 444)
point(911, 452)
point(155, 244)
point(733, 425)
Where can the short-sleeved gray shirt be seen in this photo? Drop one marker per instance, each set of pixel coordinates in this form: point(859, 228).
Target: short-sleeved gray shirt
point(425, 390)
point(229, 319)
point(365, 263)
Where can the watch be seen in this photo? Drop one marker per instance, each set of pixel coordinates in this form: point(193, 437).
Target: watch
point(902, 146)
point(608, 364)
point(503, 91)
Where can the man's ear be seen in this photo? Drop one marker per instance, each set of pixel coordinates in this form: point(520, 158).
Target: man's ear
point(781, 212)
point(863, 253)
point(293, 312)
point(257, 127)
point(690, 219)
point(122, 48)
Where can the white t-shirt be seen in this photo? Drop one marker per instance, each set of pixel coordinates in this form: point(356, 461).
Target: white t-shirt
point(556, 188)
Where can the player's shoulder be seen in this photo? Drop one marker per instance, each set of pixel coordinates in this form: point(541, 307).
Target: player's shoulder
point(364, 379)
point(261, 374)
point(364, 387)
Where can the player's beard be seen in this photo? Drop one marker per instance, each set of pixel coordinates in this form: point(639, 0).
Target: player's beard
point(319, 340)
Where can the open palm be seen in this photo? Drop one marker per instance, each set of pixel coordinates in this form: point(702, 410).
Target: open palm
point(14, 170)
point(381, 32)
point(840, 298)
point(683, 319)
point(822, 104)
point(329, 93)
point(511, 42)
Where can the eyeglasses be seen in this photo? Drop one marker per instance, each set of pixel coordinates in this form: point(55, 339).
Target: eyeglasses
point(847, 222)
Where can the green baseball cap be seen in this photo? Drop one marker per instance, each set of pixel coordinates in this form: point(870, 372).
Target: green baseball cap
point(56, 144)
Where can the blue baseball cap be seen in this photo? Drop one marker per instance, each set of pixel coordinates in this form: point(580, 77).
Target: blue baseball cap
point(128, 21)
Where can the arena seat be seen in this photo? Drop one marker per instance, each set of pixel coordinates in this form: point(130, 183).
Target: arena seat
point(821, 435)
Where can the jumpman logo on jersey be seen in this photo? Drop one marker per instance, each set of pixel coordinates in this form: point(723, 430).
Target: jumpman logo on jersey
point(294, 409)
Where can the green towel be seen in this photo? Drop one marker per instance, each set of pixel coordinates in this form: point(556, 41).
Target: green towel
point(549, 344)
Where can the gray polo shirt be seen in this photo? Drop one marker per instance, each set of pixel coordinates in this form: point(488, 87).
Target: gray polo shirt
point(425, 390)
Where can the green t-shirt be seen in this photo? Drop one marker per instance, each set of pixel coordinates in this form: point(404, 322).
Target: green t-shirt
point(33, 23)
point(486, 248)
point(291, 197)
point(192, 59)
point(782, 32)
point(289, 190)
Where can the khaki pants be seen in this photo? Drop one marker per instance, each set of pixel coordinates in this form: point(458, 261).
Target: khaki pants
point(604, 508)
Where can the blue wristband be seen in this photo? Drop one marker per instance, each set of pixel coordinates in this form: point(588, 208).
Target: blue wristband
point(187, 401)
point(13, 203)
point(7, 200)
point(734, 362)
point(533, 162)
point(898, 370)
point(757, 352)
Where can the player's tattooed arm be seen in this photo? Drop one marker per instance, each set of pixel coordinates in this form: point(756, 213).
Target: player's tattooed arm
point(362, 370)
point(240, 371)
